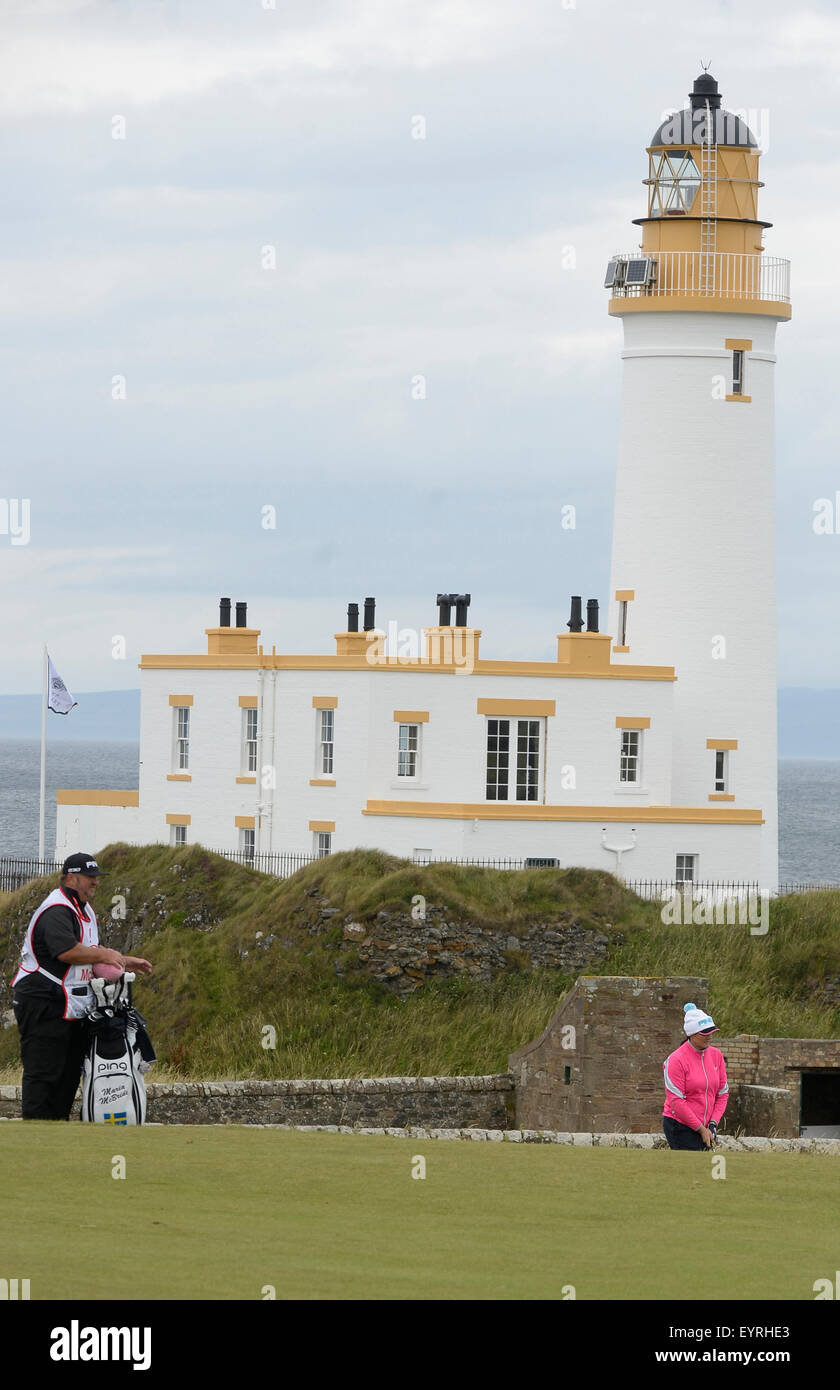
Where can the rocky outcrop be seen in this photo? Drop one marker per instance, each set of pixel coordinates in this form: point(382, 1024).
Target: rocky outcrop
point(403, 951)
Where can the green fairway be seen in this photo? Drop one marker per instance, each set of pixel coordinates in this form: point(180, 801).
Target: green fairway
point(219, 1213)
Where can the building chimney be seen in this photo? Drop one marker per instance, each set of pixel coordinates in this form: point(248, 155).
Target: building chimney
point(575, 623)
point(224, 612)
point(241, 615)
point(462, 603)
point(444, 602)
point(370, 610)
point(591, 615)
point(352, 617)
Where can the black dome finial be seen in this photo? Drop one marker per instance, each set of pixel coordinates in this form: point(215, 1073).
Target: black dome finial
point(705, 91)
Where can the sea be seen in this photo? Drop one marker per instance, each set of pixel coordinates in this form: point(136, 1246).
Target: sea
point(809, 801)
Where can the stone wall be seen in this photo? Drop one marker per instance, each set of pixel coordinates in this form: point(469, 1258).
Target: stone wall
point(767, 1110)
point(403, 954)
point(598, 1064)
point(445, 1102)
point(777, 1064)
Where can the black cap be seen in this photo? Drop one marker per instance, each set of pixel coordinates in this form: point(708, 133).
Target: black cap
point(81, 864)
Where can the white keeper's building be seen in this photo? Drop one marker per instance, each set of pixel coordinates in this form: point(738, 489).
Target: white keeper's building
point(649, 749)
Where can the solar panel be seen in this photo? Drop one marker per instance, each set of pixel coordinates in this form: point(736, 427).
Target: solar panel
point(637, 272)
point(612, 273)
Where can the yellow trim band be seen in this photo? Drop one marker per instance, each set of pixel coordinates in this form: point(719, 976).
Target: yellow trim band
point(552, 670)
point(249, 701)
point(533, 708)
point(738, 344)
point(484, 810)
point(623, 721)
point(244, 822)
point(325, 702)
point(179, 776)
point(180, 700)
point(247, 780)
point(746, 400)
point(625, 595)
point(179, 820)
point(86, 796)
point(701, 304)
point(721, 743)
point(322, 781)
point(324, 826)
point(411, 716)
point(721, 796)
point(621, 649)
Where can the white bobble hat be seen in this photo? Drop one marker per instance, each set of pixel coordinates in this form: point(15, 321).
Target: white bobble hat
point(697, 1021)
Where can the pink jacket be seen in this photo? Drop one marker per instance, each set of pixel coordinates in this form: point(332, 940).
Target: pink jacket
point(696, 1089)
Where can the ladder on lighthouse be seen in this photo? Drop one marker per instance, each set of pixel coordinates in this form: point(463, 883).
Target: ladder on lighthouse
point(708, 208)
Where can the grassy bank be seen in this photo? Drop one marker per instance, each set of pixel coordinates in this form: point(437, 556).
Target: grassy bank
point(217, 986)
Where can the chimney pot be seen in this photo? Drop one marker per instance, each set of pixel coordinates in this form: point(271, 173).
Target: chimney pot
point(444, 602)
point(462, 603)
point(241, 615)
point(591, 615)
point(352, 617)
point(575, 623)
point(370, 610)
point(224, 612)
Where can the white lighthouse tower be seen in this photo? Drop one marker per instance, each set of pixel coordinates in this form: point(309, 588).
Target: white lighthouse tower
point(693, 560)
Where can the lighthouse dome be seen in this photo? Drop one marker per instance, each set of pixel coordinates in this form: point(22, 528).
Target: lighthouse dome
point(688, 127)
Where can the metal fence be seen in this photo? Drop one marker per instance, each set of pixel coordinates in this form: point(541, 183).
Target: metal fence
point(722, 274)
point(15, 872)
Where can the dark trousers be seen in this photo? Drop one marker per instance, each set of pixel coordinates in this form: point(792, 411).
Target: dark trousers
point(52, 1052)
point(679, 1136)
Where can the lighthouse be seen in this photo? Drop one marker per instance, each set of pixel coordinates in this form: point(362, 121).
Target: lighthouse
point(693, 558)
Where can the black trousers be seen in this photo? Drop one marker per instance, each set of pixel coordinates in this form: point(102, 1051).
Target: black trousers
point(52, 1052)
point(679, 1136)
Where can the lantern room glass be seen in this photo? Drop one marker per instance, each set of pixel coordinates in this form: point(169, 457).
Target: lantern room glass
point(674, 181)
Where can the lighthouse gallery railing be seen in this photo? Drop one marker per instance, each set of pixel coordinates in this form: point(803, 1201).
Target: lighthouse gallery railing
point(718, 274)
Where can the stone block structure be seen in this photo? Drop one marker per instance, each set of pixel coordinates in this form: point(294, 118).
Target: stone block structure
point(598, 1064)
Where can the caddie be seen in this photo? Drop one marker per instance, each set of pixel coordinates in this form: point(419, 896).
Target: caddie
point(52, 993)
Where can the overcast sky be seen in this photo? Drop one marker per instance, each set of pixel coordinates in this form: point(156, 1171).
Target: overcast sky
point(446, 257)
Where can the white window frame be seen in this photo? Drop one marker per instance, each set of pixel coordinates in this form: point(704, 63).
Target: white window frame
point(181, 740)
point(514, 724)
point(722, 781)
point(406, 752)
point(634, 782)
point(247, 841)
point(178, 836)
point(322, 843)
point(739, 361)
point(680, 868)
point(325, 752)
point(622, 623)
point(250, 723)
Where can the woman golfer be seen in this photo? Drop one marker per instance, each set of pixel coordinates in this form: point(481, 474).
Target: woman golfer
point(696, 1089)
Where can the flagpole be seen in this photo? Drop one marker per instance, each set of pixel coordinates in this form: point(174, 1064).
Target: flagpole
point(43, 756)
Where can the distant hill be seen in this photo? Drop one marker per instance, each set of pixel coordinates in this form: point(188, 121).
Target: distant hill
point(106, 716)
point(809, 720)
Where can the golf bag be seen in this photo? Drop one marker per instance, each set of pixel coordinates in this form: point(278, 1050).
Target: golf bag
point(119, 1052)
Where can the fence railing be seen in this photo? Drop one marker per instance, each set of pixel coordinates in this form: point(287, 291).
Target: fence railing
point(281, 864)
point(15, 872)
point(719, 274)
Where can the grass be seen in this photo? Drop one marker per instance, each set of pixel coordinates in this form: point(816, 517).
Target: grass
point(219, 1213)
point(214, 989)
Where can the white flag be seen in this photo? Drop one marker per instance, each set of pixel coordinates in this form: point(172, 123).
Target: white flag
point(60, 700)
